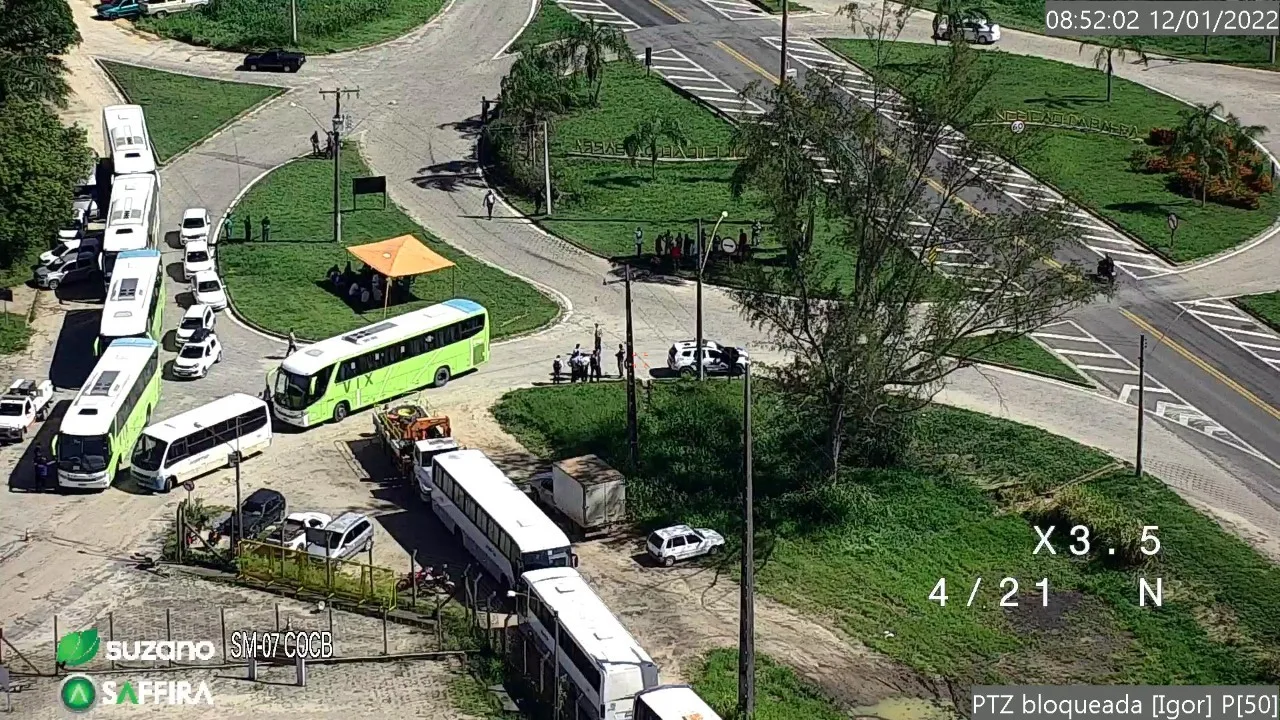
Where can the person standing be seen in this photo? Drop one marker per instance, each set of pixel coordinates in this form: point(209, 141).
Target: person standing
point(41, 465)
point(596, 373)
point(675, 255)
point(489, 201)
point(315, 144)
point(266, 229)
point(226, 227)
point(248, 228)
point(293, 343)
point(639, 241)
point(621, 356)
point(556, 368)
point(599, 338)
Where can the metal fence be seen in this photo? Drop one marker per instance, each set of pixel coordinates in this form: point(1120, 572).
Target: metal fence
point(358, 582)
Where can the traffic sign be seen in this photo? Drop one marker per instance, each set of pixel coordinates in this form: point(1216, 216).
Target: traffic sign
point(1017, 126)
point(1173, 222)
point(728, 245)
point(188, 486)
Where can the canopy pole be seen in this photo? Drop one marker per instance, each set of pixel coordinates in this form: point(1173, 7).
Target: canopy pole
point(453, 275)
point(386, 295)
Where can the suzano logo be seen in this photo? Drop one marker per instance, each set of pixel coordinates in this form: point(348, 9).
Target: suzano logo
point(78, 648)
point(79, 693)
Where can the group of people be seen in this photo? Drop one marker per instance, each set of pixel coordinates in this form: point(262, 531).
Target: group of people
point(587, 367)
point(366, 288)
point(681, 250)
point(317, 150)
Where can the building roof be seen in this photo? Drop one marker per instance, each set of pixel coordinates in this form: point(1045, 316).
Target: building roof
point(585, 617)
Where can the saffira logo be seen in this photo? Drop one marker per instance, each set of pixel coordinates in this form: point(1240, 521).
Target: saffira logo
point(79, 693)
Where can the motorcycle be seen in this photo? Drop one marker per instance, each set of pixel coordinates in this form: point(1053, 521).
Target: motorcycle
point(426, 580)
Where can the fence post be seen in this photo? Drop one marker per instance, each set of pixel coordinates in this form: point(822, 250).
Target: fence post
point(222, 625)
point(111, 632)
point(55, 645)
point(329, 606)
point(370, 565)
point(277, 617)
point(385, 650)
point(439, 625)
point(413, 580)
point(182, 532)
point(168, 629)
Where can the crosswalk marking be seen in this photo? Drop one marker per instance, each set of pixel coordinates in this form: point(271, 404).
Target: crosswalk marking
point(680, 70)
point(736, 9)
point(1235, 325)
point(598, 11)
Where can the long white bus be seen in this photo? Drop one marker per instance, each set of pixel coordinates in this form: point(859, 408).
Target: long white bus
point(133, 218)
point(126, 141)
point(497, 523)
point(605, 665)
point(105, 419)
point(200, 441)
point(135, 299)
point(672, 702)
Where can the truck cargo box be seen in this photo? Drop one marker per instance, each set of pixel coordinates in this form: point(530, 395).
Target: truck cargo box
point(589, 492)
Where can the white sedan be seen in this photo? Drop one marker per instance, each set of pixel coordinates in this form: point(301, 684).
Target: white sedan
point(293, 533)
point(195, 225)
point(197, 257)
point(208, 290)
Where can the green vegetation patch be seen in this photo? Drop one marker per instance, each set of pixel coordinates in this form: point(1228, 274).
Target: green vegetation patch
point(281, 286)
point(962, 505)
point(780, 694)
point(1265, 307)
point(15, 333)
point(551, 22)
point(1022, 353)
point(324, 26)
point(183, 110)
point(775, 6)
point(1090, 168)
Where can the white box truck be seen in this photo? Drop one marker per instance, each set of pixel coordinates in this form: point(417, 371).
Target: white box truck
point(586, 490)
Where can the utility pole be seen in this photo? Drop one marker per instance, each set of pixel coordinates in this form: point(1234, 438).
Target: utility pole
point(1271, 53)
point(1142, 381)
point(782, 75)
point(337, 152)
point(293, 19)
point(747, 602)
point(703, 254)
point(546, 164)
point(633, 439)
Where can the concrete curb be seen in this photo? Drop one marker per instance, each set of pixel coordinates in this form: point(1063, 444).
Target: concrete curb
point(534, 7)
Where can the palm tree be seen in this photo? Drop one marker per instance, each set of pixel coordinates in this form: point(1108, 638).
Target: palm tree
point(588, 46)
point(1202, 137)
point(955, 12)
point(648, 134)
point(1119, 47)
point(533, 91)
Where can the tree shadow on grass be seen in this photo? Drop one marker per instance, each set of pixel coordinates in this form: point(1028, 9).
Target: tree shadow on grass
point(374, 304)
point(617, 182)
point(1066, 102)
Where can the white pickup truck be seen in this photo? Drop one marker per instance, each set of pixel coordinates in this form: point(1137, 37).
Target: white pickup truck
point(22, 406)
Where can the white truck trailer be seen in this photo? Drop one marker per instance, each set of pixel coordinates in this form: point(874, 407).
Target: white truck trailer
point(586, 491)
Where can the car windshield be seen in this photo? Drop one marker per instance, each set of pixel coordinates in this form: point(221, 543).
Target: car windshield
point(80, 453)
point(208, 286)
point(193, 223)
point(11, 408)
point(192, 351)
point(198, 256)
point(293, 391)
point(192, 323)
point(148, 453)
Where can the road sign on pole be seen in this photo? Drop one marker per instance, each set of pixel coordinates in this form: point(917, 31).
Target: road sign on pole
point(1173, 222)
point(728, 245)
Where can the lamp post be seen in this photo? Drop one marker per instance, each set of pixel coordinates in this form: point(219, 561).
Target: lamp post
point(703, 254)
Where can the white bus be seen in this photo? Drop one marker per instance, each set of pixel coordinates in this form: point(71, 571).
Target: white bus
point(105, 419)
point(496, 521)
point(135, 299)
point(605, 664)
point(672, 702)
point(125, 139)
point(133, 218)
point(199, 441)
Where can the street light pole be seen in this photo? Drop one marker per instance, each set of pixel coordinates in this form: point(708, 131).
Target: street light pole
point(546, 163)
point(633, 439)
point(703, 254)
point(747, 608)
point(337, 151)
point(293, 19)
point(1142, 381)
point(782, 76)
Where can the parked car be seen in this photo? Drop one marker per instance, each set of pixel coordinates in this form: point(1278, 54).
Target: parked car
point(195, 225)
point(120, 10)
point(197, 257)
point(262, 509)
point(197, 317)
point(716, 358)
point(977, 29)
point(208, 290)
point(163, 8)
point(74, 227)
point(681, 542)
point(348, 534)
point(25, 404)
point(70, 267)
point(86, 196)
point(292, 534)
point(198, 355)
point(60, 251)
point(275, 59)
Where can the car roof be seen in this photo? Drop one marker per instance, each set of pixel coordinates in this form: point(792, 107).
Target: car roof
point(197, 310)
point(204, 275)
point(343, 522)
point(198, 244)
point(262, 495)
point(691, 344)
point(306, 515)
point(194, 212)
point(673, 531)
point(199, 336)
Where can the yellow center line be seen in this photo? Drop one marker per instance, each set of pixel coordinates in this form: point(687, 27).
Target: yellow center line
point(662, 6)
point(746, 61)
point(1195, 360)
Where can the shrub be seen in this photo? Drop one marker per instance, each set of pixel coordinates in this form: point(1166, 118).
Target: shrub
point(1111, 526)
point(1162, 137)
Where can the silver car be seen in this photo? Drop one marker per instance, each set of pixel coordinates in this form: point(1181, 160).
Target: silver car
point(348, 534)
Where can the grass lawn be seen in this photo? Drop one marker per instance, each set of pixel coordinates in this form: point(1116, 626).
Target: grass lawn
point(1090, 168)
point(775, 6)
point(780, 695)
point(14, 333)
point(548, 24)
point(1239, 50)
point(280, 284)
point(182, 110)
point(1023, 353)
point(1265, 307)
point(324, 26)
point(945, 512)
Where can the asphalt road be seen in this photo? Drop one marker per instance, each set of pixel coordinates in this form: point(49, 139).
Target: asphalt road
point(1210, 388)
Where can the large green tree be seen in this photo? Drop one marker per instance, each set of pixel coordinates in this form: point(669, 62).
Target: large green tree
point(33, 34)
point(41, 160)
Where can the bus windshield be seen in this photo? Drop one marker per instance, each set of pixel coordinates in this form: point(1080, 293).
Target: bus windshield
point(80, 453)
point(293, 391)
point(148, 454)
point(544, 559)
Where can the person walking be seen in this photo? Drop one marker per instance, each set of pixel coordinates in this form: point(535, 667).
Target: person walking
point(556, 368)
point(226, 228)
point(639, 241)
point(489, 201)
point(41, 465)
point(621, 356)
point(599, 337)
point(315, 143)
point(293, 343)
point(596, 373)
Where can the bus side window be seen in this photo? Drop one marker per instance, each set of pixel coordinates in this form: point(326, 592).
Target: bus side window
point(320, 382)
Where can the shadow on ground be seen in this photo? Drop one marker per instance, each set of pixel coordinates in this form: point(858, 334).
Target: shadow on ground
point(73, 357)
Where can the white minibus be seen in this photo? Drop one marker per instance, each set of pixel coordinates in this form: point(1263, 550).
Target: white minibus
point(200, 441)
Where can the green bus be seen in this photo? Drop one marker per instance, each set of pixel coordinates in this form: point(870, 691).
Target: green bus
point(106, 418)
point(332, 378)
point(134, 307)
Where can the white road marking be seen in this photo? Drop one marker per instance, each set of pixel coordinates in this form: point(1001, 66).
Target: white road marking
point(600, 12)
point(736, 10)
point(680, 70)
point(1232, 322)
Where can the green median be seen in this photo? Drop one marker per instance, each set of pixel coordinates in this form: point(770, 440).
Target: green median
point(1020, 353)
point(1265, 307)
point(550, 23)
point(280, 284)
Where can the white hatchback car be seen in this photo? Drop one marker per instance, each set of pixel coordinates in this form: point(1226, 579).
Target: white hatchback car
point(681, 542)
point(208, 290)
point(197, 317)
point(195, 225)
point(198, 355)
point(197, 257)
point(63, 250)
point(975, 30)
point(681, 358)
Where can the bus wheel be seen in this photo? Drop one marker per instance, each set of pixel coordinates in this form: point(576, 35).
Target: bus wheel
point(442, 376)
point(168, 484)
point(341, 411)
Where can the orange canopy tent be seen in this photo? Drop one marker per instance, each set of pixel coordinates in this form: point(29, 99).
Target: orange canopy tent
point(399, 257)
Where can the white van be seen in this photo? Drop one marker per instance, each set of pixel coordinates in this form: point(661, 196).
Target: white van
point(200, 441)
